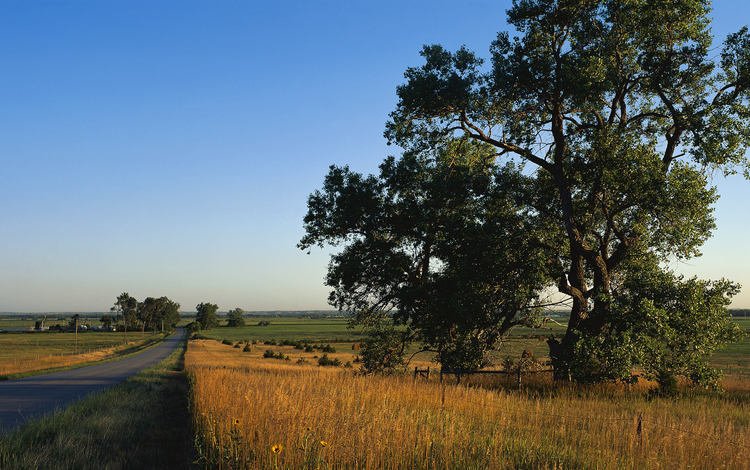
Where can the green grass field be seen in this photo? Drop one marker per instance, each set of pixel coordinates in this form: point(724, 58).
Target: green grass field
point(327, 330)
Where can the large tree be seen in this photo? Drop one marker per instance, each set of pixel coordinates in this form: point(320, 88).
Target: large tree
point(435, 243)
point(158, 313)
point(126, 307)
point(235, 318)
point(206, 315)
point(619, 112)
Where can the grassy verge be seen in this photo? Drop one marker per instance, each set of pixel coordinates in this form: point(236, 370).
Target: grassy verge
point(141, 423)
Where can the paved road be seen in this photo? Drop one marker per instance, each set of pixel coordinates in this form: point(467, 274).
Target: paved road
point(23, 399)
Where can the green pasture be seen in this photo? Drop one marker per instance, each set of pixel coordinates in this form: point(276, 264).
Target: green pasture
point(328, 330)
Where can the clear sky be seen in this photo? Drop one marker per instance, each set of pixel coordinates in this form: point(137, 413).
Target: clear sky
point(168, 148)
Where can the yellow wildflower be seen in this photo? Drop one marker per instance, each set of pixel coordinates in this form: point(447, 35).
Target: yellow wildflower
point(277, 448)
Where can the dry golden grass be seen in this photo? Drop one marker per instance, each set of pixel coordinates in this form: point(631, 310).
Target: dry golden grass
point(316, 417)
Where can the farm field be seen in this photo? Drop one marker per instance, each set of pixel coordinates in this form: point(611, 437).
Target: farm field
point(734, 360)
point(251, 412)
point(29, 352)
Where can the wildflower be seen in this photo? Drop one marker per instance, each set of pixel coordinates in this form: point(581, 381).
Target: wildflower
point(323, 444)
point(277, 448)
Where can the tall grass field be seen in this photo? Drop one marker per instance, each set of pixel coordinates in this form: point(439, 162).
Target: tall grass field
point(255, 412)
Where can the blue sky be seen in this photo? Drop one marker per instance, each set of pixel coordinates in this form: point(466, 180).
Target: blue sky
point(168, 148)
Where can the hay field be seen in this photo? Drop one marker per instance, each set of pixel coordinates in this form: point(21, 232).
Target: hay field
point(251, 412)
point(22, 353)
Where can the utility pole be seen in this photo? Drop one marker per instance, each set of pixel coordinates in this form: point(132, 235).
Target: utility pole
point(76, 323)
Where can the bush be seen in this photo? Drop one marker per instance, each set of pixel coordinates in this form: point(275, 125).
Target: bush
point(226, 341)
point(328, 349)
point(270, 354)
point(264, 323)
point(309, 349)
point(247, 348)
point(383, 351)
point(325, 361)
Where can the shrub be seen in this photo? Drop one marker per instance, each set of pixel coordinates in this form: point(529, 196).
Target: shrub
point(270, 354)
point(226, 341)
point(328, 349)
point(247, 348)
point(309, 349)
point(383, 351)
point(324, 361)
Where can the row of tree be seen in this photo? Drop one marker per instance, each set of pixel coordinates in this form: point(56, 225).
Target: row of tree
point(206, 316)
point(577, 159)
point(153, 313)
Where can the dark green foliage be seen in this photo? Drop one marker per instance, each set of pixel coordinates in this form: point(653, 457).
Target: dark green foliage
point(326, 361)
point(206, 315)
point(226, 341)
point(158, 313)
point(126, 308)
point(383, 350)
point(247, 348)
point(235, 319)
point(617, 123)
point(435, 243)
point(270, 354)
point(666, 326)
point(264, 323)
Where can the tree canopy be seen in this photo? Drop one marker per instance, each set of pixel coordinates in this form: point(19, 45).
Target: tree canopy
point(206, 315)
point(605, 129)
point(126, 308)
point(234, 317)
point(436, 244)
point(157, 313)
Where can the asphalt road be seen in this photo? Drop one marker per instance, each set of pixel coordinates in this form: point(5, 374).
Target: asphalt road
point(30, 397)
